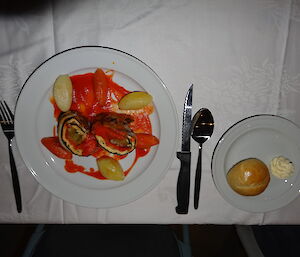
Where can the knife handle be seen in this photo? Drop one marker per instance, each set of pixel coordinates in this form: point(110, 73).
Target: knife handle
point(183, 183)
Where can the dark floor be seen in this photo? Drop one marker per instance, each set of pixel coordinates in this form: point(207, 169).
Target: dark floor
point(206, 240)
point(213, 240)
point(14, 239)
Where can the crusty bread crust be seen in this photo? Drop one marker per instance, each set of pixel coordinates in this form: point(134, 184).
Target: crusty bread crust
point(249, 177)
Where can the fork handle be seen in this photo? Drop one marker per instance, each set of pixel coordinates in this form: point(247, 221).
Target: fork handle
point(15, 178)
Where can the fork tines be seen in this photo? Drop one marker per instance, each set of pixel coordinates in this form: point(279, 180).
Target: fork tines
point(6, 116)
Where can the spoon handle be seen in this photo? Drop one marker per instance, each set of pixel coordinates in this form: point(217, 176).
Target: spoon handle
point(198, 178)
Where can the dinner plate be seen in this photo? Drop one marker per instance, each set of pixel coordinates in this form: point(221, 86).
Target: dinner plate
point(34, 120)
point(263, 137)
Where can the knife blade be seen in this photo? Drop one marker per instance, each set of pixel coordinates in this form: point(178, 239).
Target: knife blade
point(183, 182)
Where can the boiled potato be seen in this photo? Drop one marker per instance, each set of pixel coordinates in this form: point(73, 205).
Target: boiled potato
point(62, 92)
point(135, 101)
point(110, 168)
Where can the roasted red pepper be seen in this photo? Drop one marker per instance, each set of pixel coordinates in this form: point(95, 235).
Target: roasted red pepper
point(100, 87)
point(146, 140)
point(54, 146)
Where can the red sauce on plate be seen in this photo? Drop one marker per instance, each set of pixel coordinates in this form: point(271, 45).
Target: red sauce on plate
point(84, 101)
point(71, 167)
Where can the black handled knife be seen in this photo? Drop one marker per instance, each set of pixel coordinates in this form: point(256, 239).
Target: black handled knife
point(183, 182)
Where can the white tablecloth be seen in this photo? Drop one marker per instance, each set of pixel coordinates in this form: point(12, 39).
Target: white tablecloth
point(242, 56)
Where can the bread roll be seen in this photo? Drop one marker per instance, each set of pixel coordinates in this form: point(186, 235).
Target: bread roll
point(249, 177)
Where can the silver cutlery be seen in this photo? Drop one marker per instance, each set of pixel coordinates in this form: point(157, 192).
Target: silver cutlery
point(183, 183)
point(202, 129)
point(7, 124)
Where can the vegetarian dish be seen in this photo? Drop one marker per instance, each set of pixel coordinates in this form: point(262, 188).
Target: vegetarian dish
point(97, 117)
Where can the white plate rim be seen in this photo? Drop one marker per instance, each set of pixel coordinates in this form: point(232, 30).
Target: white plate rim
point(244, 207)
point(132, 196)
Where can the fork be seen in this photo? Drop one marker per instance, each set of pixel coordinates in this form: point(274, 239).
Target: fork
point(7, 124)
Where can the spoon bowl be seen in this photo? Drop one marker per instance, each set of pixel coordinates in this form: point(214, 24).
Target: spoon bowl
point(202, 125)
point(202, 129)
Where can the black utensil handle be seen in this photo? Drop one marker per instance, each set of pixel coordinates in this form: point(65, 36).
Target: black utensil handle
point(198, 178)
point(183, 183)
point(15, 179)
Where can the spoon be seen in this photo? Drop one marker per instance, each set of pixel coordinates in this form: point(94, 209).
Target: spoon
point(202, 129)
